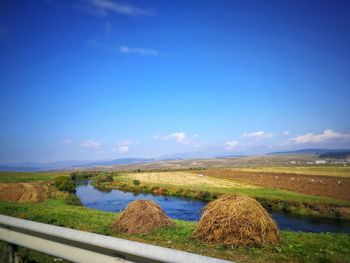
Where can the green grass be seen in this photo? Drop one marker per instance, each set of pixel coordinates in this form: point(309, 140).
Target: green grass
point(324, 170)
point(295, 246)
point(16, 177)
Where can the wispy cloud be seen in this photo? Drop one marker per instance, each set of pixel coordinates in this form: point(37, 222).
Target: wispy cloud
point(124, 49)
point(108, 28)
point(67, 141)
point(91, 144)
point(258, 135)
point(138, 51)
point(231, 145)
point(179, 137)
point(107, 7)
point(326, 135)
point(286, 133)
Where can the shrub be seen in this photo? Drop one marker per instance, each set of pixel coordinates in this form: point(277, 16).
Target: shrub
point(104, 179)
point(136, 182)
point(72, 200)
point(64, 183)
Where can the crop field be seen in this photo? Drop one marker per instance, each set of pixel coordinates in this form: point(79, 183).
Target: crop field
point(335, 171)
point(220, 181)
point(329, 186)
point(189, 179)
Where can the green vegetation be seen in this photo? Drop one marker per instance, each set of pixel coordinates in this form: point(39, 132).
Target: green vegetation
point(23, 177)
point(136, 182)
point(64, 183)
point(325, 170)
point(295, 246)
point(103, 178)
point(72, 199)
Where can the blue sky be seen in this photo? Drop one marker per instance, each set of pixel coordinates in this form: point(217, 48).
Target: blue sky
point(103, 79)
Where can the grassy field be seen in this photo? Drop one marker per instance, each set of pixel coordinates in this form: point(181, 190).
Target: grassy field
point(23, 177)
point(338, 171)
point(301, 247)
point(173, 181)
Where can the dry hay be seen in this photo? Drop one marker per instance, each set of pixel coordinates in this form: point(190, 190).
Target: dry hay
point(236, 220)
point(24, 192)
point(140, 217)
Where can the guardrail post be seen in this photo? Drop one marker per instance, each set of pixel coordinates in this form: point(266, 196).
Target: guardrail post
point(13, 256)
point(11, 253)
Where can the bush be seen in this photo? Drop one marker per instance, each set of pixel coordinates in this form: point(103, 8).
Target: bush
point(136, 182)
point(64, 183)
point(104, 179)
point(72, 200)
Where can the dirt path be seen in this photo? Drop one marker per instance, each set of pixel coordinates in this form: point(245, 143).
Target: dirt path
point(336, 187)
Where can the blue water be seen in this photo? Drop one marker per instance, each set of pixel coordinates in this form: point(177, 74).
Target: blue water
point(116, 201)
point(191, 210)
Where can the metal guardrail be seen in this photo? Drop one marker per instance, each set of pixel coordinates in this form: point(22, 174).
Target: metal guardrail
point(79, 246)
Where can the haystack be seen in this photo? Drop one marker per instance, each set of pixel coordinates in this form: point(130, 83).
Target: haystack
point(236, 220)
point(140, 217)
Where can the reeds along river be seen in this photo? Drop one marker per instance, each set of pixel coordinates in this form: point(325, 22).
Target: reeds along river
point(190, 209)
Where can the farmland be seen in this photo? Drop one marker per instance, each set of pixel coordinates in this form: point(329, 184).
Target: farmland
point(328, 185)
point(295, 246)
point(189, 179)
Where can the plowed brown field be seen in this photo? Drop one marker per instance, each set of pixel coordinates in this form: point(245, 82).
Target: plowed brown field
point(337, 187)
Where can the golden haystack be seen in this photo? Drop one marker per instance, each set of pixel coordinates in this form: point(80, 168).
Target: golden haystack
point(236, 220)
point(140, 217)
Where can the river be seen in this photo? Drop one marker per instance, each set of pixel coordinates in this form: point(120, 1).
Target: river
point(191, 209)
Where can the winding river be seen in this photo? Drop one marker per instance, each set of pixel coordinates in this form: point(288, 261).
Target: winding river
point(190, 209)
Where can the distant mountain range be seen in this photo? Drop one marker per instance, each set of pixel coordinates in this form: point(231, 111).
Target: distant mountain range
point(311, 151)
point(31, 167)
point(65, 165)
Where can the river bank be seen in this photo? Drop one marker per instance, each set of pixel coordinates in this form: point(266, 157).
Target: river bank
point(296, 207)
point(294, 246)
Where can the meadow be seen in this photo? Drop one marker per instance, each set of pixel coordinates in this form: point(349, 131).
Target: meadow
point(295, 246)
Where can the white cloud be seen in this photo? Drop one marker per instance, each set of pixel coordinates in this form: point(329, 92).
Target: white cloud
point(179, 137)
point(286, 133)
point(258, 135)
point(124, 49)
point(66, 141)
point(91, 144)
point(106, 7)
point(123, 146)
point(326, 135)
point(231, 144)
